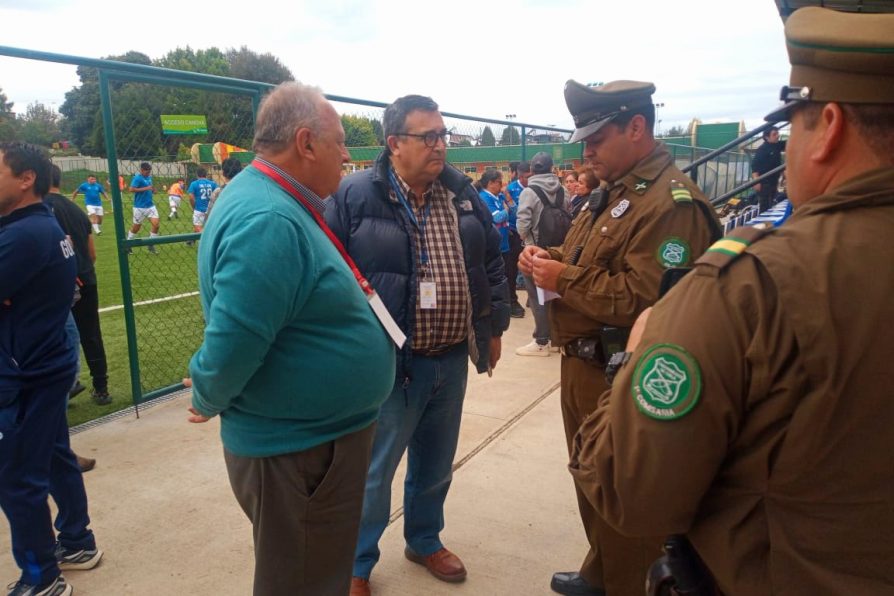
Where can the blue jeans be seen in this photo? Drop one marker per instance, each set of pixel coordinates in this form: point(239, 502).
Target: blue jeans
point(74, 342)
point(540, 311)
point(424, 420)
point(36, 461)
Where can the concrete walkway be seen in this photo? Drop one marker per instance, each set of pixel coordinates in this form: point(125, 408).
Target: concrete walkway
point(164, 514)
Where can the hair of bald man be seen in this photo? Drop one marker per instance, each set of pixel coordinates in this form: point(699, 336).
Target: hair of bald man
point(873, 122)
point(284, 111)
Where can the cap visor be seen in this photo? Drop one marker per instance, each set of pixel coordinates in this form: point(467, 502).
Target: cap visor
point(782, 114)
point(582, 133)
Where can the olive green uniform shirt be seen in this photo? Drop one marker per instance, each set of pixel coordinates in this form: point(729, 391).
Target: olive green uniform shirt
point(650, 223)
point(757, 416)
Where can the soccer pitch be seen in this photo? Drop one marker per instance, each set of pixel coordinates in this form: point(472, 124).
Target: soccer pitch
point(169, 324)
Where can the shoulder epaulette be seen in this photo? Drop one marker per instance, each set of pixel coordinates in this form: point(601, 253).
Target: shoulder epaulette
point(727, 249)
point(680, 192)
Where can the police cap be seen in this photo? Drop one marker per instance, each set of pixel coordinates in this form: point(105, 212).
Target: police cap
point(836, 56)
point(594, 107)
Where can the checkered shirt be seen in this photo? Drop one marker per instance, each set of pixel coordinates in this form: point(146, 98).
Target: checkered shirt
point(448, 323)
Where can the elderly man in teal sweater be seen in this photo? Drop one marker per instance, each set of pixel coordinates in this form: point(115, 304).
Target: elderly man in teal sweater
point(294, 360)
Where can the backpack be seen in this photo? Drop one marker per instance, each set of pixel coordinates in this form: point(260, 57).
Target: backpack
point(554, 220)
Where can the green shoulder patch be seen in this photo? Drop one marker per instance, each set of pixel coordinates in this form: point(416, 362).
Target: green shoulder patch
point(667, 382)
point(680, 192)
point(673, 252)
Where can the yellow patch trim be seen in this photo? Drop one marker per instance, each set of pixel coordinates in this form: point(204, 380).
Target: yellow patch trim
point(730, 245)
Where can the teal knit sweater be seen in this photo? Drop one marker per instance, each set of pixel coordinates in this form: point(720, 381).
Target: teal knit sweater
point(293, 356)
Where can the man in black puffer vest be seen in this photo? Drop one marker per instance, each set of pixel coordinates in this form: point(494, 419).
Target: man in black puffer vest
point(418, 232)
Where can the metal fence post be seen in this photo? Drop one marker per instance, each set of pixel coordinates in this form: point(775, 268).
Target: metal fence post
point(524, 143)
point(108, 125)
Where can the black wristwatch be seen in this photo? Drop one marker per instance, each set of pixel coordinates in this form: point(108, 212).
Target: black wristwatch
point(615, 363)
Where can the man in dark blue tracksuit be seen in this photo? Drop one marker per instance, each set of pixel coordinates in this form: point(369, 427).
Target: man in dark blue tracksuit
point(37, 367)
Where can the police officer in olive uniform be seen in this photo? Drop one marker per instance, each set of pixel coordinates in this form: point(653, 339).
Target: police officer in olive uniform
point(756, 413)
point(649, 217)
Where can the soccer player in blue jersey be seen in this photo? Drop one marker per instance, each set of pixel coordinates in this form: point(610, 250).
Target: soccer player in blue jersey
point(92, 191)
point(143, 206)
point(199, 194)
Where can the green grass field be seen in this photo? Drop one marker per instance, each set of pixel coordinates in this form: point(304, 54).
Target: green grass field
point(168, 332)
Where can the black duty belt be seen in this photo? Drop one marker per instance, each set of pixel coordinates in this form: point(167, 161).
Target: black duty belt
point(585, 348)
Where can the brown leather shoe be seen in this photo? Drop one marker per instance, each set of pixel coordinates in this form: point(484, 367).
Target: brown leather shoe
point(360, 587)
point(85, 463)
point(443, 564)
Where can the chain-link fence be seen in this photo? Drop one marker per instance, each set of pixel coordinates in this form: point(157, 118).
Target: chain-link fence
point(162, 202)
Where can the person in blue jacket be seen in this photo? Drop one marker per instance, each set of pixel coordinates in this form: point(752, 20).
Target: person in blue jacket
point(37, 368)
point(504, 211)
point(513, 191)
point(489, 189)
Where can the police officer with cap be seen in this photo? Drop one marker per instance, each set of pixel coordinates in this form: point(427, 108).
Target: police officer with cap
point(755, 412)
point(649, 217)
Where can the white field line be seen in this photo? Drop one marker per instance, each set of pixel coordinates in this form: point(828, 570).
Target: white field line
point(154, 301)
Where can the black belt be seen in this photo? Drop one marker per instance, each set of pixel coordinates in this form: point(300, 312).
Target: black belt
point(437, 350)
point(585, 348)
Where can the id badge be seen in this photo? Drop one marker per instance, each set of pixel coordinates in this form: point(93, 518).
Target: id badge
point(428, 295)
point(388, 322)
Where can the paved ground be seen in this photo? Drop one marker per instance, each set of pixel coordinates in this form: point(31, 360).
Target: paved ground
point(164, 515)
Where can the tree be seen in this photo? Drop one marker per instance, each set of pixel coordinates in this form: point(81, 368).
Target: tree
point(359, 131)
point(211, 61)
point(83, 120)
point(8, 122)
point(487, 137)
point(251, 66)
point(137, 107)
point(380, 132)
point(40, 125)
point(675, 131)
point(510, 136)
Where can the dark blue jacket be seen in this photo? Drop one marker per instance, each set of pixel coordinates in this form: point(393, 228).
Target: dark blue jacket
point(37, 282)
point(376, 231)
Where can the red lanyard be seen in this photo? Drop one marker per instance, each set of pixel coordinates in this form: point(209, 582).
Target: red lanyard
point(296, 194)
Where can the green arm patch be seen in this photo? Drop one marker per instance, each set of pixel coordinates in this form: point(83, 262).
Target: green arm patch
point(673, 252)
point(667, 382)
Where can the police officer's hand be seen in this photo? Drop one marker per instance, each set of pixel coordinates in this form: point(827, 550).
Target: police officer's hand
point(546, 272)
point(526, 258)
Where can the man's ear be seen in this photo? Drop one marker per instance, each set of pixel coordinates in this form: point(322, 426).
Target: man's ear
point(636, 128)
point(27, 179)
point(304, 143)
point(391, 141)
point(831, 134)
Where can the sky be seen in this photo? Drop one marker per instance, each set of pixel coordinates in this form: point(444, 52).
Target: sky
point(716, 60)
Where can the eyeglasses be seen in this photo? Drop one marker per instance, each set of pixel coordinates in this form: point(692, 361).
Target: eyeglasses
point(430, 138)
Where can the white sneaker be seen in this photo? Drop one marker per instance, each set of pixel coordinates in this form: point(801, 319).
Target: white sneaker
point(533, 349)
point(553, 348)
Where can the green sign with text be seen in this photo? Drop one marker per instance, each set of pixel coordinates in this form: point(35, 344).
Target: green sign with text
point(188, 124)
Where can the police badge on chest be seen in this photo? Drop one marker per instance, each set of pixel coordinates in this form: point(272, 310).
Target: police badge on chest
point(620, 209)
